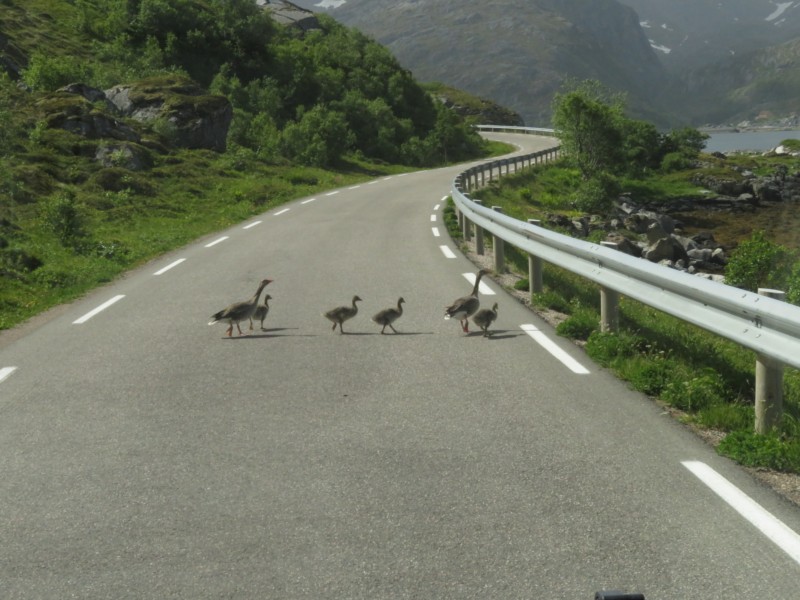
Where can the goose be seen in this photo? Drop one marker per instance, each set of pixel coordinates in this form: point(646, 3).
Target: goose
point(340, 314)
point(389, 315)
point(465, 307)
point(262, 311)
point(240, 311)
point(484, 318)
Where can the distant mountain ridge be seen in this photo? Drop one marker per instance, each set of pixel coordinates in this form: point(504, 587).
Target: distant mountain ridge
point(515, 52)
point(698, 62)
point(694, 34)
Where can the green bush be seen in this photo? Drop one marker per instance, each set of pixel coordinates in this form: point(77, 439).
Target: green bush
point(50, 72)
point(597, 194)
point(579, 325)
point(697, 393)
point(607, 347)
point(61, 217)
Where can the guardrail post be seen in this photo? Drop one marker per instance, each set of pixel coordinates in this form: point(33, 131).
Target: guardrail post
point(609, 310)
point(499, 248)
point(478, 235)
point(609, 303)
point(769, 384)
point(535, 269)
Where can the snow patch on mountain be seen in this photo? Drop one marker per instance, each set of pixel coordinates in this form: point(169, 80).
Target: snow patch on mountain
point(780, 8)
point(330, 3)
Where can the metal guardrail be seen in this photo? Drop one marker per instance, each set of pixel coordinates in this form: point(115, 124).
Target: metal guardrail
point(768, 326)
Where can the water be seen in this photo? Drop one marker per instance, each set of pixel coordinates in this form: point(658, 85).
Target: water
point(760, 141)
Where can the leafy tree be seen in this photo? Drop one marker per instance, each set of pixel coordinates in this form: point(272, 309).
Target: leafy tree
point(587, 123)
point(319, 138)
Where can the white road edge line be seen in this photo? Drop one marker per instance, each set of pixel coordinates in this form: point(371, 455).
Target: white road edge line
point(332, 193)
point(435, 231)
point(779, 533)
point(100, 308)
point(217, 241)
point(482, 288)
point(253, 224)
point(169, 266)
point(447, 252)
point(355, 187)
point(6, 372)
point(545, 342)
point(307, 201)
point(280, 212)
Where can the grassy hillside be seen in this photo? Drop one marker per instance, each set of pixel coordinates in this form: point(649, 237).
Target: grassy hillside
point(88, 190)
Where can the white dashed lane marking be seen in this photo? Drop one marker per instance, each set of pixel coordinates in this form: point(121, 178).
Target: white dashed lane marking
point(545, 342)
point(99, 309)
point(6, 372)
point(217, 241)
point(435, 231)
point(169, 266)
point(780, 534)
point(280, 212)
point(447, 252)
point(253, 224)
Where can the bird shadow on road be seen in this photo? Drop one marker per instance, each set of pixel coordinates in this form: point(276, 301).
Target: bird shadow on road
point(496, 334)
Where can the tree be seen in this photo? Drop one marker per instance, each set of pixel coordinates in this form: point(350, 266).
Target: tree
point(587, 122)
point(319, 138)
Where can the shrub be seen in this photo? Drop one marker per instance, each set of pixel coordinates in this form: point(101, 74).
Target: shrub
point(50, 72)
point(757, 262)
point(705, 390)
point(606, 347)
point(675, 161)
point(61, 217)
point(579, 325)
point(596, 195)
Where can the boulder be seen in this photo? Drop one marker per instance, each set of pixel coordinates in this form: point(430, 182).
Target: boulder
point(128, 156)
point(195, 118)
point(666, 249)
point(72, 111)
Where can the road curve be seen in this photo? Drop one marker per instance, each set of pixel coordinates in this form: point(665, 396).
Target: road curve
point(145, 455)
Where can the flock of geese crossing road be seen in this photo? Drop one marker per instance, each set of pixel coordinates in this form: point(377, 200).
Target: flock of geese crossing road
point(462, 309)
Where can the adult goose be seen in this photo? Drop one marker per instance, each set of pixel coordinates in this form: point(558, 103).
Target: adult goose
point(389, 315)
point(340, 314)
point(240, 311)
point(262, 311)
point(484, 318)
point(465, 307)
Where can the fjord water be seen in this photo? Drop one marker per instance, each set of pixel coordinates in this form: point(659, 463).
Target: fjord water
point(759, 141)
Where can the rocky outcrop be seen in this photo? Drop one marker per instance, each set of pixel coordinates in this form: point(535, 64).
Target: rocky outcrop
point(289, 14)
point(194, 118)
point(74, 109)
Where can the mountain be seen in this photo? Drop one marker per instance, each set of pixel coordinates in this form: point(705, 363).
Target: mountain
point(695, 33)
point(757, 87)
point(516, 52)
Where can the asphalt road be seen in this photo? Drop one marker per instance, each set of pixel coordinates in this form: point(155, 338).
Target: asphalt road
point(145, 455)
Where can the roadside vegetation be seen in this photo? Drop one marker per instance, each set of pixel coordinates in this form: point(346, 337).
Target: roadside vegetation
point(311, 111)
point(706, 380)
